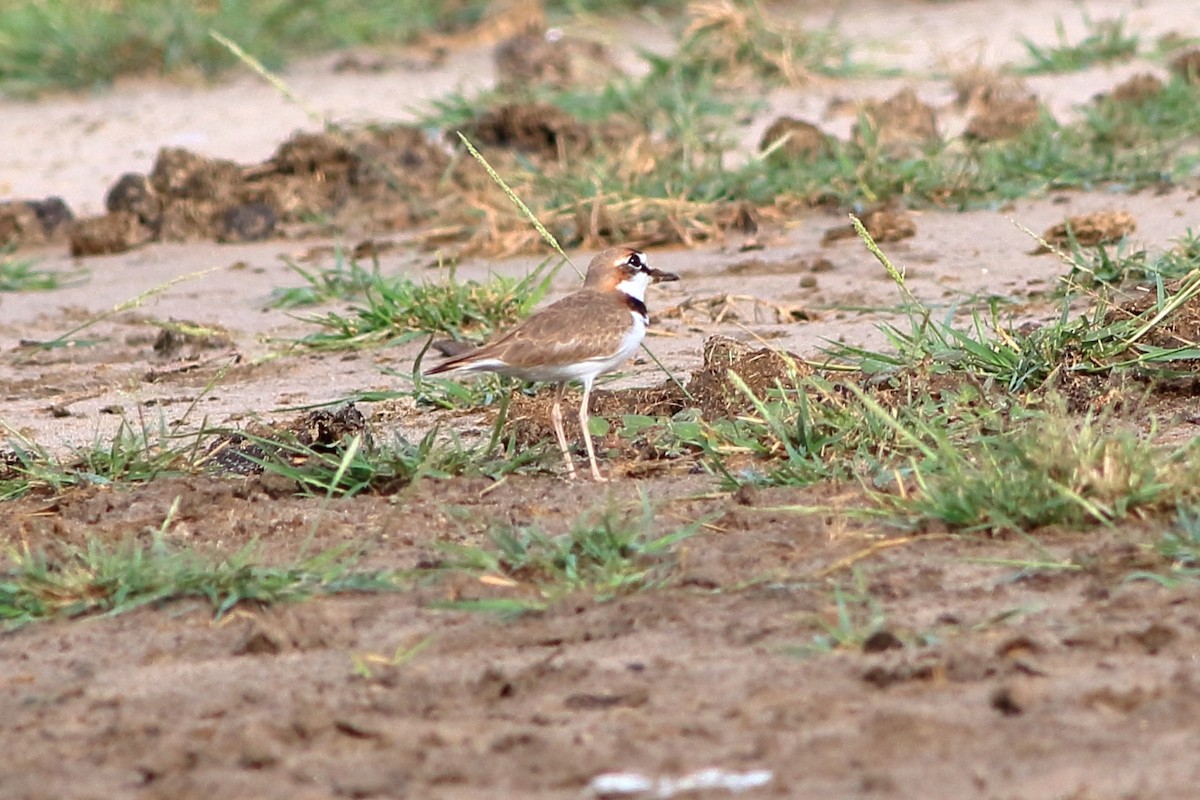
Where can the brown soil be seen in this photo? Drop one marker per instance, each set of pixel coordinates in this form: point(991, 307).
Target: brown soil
point(723, 666)
point(1089, 230)
point(1187, 65)
point(844, 657)
point(364, 181)
point(794, 139)
point(1137, 89)
point(901, 125)
point(538, 57)
point(884, 225)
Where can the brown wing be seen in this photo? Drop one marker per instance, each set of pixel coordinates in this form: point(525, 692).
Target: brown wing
point(579, 326)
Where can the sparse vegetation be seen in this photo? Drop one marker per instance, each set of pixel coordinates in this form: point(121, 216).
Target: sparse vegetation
point(1041, 469)
point(399, 309)
point(102, 579)
point(345, 280)
point(668, 177)
point(130, 456)
point(943, 524)
point(22, 275)
point(1107, 41)
point(1120, 266)
point(58, 43)
point(352, 467)
point(728, 39)
point(603, 555)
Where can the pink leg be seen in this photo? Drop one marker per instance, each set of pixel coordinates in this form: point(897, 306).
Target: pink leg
point(556, 417)
point(587, 434)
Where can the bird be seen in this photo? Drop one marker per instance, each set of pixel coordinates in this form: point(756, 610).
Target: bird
point(578, 338)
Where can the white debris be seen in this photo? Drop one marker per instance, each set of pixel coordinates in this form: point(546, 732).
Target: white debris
point(619, 784)
point(615, 784)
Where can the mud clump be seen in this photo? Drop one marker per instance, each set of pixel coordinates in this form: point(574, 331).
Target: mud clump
point(795, 140)
point(1000, 107)
point(548, 58)
point(367, 179)
point(901, 126)
point(538, 129)
point(186, 339)
point(717, 396)
point(1137, 89)
point(884, 225)
point(33, 222)
point(1088, 230)
point(1003, 117)
point(1187, 66)
point(710, 391)
point(111, 233)
point(294, 442)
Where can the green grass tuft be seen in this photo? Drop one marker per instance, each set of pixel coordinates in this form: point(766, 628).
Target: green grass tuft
point(130, 456)
point(353, 467)
point(1107, 42)
point(603, 556)
point(1041, 469)
point(21, 274)
point(60, 43)
point(400, 309)
point(101, 579)
point(345, 280)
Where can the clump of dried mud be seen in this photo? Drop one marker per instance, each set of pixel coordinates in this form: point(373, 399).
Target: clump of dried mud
point(295, 442)
point(1137, 89)
point(367, 180)
point(1088, 230)
point(901, 126)
point(710, 391)
point(795, 140)
point(1187, 65)
point(545, 57)
point(33, 222)
point(886, 224)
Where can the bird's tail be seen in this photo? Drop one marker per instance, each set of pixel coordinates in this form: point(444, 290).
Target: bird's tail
point(450, 364)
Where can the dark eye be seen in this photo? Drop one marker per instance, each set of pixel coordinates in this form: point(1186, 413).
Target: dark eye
point(635, 261)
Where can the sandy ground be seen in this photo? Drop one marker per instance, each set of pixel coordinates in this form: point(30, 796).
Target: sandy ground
point(1007, 682)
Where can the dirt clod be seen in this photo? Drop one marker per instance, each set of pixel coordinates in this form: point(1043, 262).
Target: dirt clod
point(136, 194)
point(1003, 117)
point(541, 57)
point(1089, 230)
point(884, 225)
point(804, 141)
point(33, 222)
point(1015, 697)
point(536, 128)
point(1187, 65)
point(320, 431)
point(1000, 106)
point(364, 180)
point(1137, 89)
point(250, 222)
point(881, 641)
point(111, 233)
point(901, 125)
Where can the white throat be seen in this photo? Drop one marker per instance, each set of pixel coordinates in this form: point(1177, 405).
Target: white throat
point(635, 286)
